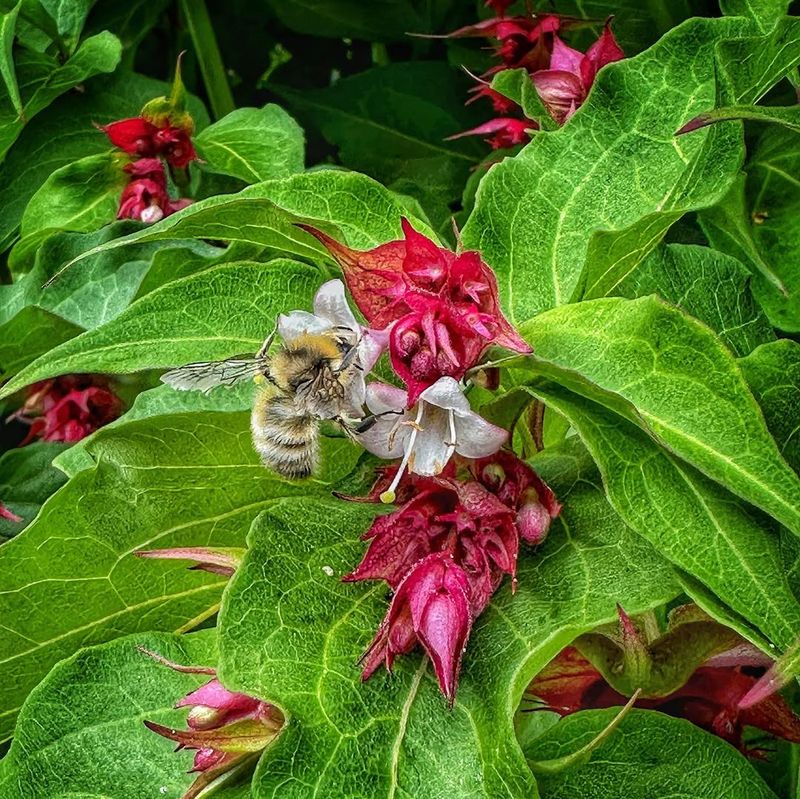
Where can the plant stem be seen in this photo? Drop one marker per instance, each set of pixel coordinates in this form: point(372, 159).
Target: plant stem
point(208, 57)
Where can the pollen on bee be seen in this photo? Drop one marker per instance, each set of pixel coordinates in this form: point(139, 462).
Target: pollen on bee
point(260, 380)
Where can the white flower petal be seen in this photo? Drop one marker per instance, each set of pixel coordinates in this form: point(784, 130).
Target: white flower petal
point(477, 438)
point(432, 445)
point(372, 345)
point(381, 397)
point(331, 305)
point(356, 396)
point(294, 324)
point(446, 393)
point(386, 438)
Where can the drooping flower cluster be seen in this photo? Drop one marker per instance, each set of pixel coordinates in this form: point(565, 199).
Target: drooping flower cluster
point(444, 552)
point(153, 138)
point(441, 308)
point(697, 669)
point(67, 408)
point(224, 727)
point(561, 75)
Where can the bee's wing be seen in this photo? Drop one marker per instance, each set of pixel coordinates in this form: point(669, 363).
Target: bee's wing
point(205, 376)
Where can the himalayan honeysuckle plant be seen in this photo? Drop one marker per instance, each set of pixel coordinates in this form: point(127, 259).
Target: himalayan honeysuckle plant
point(400, 399)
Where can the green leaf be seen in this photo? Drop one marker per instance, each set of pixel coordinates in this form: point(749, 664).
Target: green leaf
point(8, 26)
point(27, 479)
point(80, 733)
point(696, 524)
point(614, 167)
point(28, 334)
point(292, 631)
point(773, 374)
point(160, 401)
point(176, 480)
point(221, 312)
point(69, 16)
point(789, 117)
point(706, 284)
point(98, 54)
point(66, 132)
point(755, 222)
point(385, 20)
point(391, 122)
point(672, 376)
point(651, 755)
point(81, 196)
point(102, 290)
point(253, 144)
point(363, 211)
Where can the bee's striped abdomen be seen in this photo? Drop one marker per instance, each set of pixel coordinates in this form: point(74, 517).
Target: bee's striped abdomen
point(286, 441)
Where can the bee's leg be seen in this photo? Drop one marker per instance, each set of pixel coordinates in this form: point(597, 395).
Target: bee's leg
point(362, 425)
point(262, 353)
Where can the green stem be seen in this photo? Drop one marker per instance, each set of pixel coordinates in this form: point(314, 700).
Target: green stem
point(208, 57)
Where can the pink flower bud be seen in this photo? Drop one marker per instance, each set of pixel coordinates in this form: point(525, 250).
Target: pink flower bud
point(533, 520)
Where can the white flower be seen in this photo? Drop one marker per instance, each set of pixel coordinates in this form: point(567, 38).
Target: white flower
point(331, 312)
point(426, 436)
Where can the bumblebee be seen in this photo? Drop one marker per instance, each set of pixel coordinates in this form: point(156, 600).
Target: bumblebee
point(314, 376)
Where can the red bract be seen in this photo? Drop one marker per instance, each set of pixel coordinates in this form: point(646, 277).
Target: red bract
point(501, 104)
point(159, 136)
point(471, 526)
point(566, 82)
point(519, 487)
point(444, 306)
point(145, 198)
point(224, 726)
point(68, 408)
point(501, 132)
point(431, 607)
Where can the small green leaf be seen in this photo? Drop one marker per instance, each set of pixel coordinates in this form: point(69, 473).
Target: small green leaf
point(755, 222)
point(8, 26)
point(27, 479)
point(773, 374)
point(516, 84)
point(97, 54)
point(253, 144)
point(651, 755)
point(789, 117)
point(672, 376)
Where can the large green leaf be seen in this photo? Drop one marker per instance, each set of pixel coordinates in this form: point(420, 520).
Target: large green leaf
point(27, 479)
point(614, 167)
point(765, 12)
point(224, 311)
point(362, 211)
point(253, 144)
point(391, 122)
point(671, 375)
point(66, 132)
point(773, 374)
point(80, 733)
point(81, 196)
point(697, 525)
point(8, 26)
point(28, 334)
point(650, 755)
point(97, 54)
point(706, 284)
point(755, 222)
point(179, 480)
point(291, 631)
